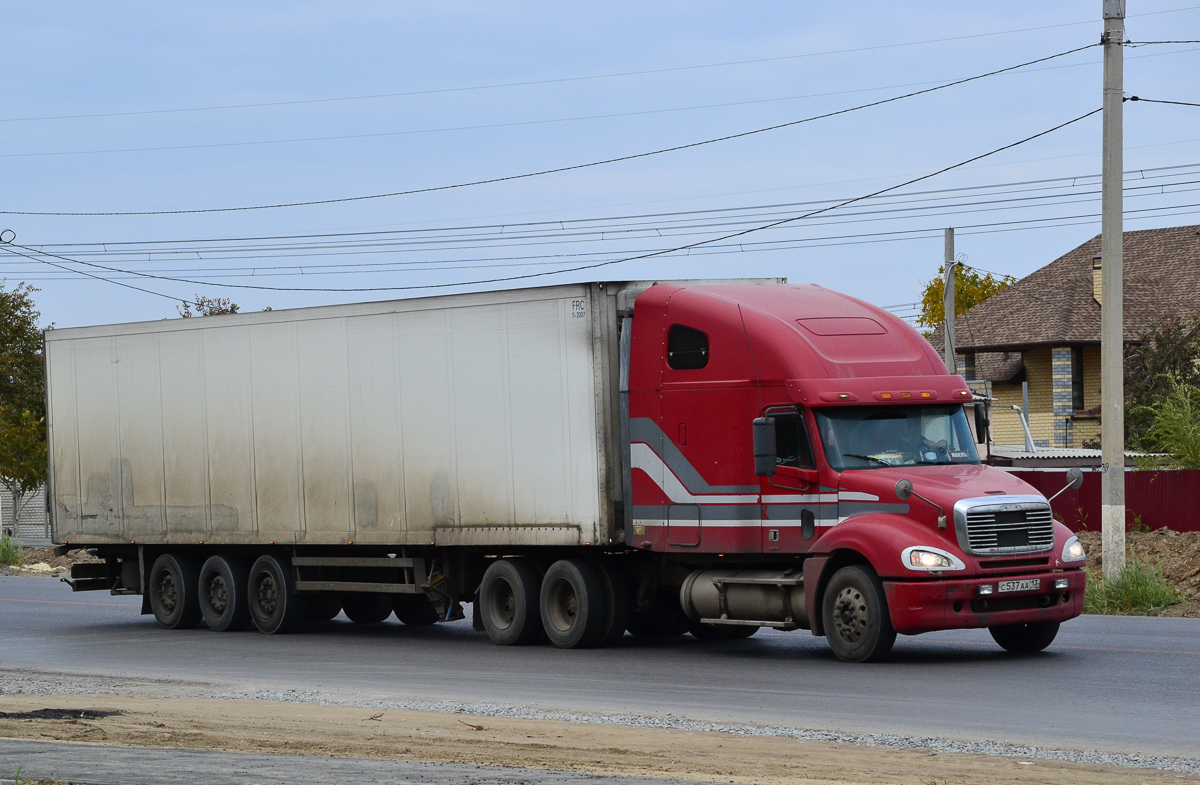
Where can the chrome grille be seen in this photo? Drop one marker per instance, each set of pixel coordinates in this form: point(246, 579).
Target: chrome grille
point(1002, 525)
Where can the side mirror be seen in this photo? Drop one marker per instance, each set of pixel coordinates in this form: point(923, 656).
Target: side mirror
point(981, 422)
point(904, 489)
point(764, 446)
point(1074, 480)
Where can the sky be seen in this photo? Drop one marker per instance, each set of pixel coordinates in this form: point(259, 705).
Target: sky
point(137, 107)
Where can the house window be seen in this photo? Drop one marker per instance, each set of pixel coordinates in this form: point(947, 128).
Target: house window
point(687, 349)
point(1077, 378)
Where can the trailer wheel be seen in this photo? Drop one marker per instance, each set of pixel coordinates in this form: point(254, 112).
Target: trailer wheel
point(617, 602)
point(664, 618)
point(222, 590)
point(275, 606)
point(857, 623)
point(322, 606)
point(573, 601)
point(174, 591)
point(365, 607)
point(1025, 638)
point(508, 599)
point(415, 610)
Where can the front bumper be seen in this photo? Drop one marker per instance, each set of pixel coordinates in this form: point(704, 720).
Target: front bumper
point(924, 606)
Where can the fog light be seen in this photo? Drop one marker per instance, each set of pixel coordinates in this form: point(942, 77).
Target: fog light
point(986, 589)
point(1061, 583)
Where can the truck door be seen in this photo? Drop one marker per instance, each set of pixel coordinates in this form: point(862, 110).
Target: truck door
point(795, 505)
point(714, 494)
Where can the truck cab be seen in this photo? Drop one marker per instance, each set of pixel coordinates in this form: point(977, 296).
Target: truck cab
point(807, 458)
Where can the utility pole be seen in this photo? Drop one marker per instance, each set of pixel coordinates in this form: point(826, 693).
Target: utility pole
point(948, 302)
point(1112, 307)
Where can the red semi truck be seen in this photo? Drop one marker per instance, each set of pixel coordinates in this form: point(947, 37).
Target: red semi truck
point(576, 461)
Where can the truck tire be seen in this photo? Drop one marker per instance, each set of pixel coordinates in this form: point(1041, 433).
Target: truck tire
point(275, 607)
point(174, 591)
point(508, 602)
point(222, 593)
point(664, 618)
point(858, 625)
point(366, 607)
point(617, 602)
point(322, 606)
point(573, 604)
point(415, 610)
point(1025, 638)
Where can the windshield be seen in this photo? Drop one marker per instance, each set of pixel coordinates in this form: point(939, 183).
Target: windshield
point(869, 437)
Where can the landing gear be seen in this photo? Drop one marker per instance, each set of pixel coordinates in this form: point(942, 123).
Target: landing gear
point(222, 593)
point(274, 604)
point(174, 595)
point(508, 600)
point(1025, 638)
point(855, 613)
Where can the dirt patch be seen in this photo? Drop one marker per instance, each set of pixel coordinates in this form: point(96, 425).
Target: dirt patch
point(57, 714)
point(358, 732)
point(43, 562)
point(1175, 554)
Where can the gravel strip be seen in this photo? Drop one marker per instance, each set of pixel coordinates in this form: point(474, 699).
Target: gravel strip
point(28, 683)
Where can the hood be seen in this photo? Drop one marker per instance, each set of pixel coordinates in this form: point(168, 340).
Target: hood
point(943, 485)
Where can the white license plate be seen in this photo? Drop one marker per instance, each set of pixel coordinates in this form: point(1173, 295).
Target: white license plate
point(1027, 584)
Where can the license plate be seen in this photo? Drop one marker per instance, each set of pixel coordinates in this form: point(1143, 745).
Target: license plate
point(1027, 584)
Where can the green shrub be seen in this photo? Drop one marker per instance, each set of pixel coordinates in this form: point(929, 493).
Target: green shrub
point(10, 551)
point(1137, 590)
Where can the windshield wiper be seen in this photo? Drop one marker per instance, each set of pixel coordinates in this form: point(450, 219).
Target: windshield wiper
point(879, 461)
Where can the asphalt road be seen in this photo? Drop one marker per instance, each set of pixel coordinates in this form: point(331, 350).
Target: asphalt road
point(1108, 683)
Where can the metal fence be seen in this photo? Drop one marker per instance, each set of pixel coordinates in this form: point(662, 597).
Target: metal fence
point(33, 523)
point(1154, 500)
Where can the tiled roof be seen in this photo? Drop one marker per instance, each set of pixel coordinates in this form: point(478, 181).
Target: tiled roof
point(1054, 305)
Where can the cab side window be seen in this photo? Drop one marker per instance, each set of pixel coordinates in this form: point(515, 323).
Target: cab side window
point(792, 447)
point(687, 348)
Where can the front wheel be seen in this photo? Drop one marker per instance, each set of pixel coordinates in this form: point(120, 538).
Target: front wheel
point(855, 613)
point(1025, 638)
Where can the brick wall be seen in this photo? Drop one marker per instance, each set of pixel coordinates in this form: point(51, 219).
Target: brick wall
point(33, 524)
point(1006, 423)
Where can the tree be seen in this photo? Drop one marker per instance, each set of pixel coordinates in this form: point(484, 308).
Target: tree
point(970, 289)
point(22, 396)
point(1167, 358)
point(208, 306)
point(1174, 430)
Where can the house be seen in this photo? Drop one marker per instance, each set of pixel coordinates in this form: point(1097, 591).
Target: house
point(1045, 330)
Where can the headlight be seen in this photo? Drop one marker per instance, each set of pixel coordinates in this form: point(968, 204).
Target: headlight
point(1073, 550)
point(924, 558)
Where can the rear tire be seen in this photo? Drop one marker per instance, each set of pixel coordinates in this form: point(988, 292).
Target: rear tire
point(415, 610)
point(573, 604)
point(366, 608)
point(508, 602)
point(275, 607)
point(1025, 638)
point(664, 617)
point(222, 593)
point(617, 602)
point(174, 591)
point(322, 606)
point(855, 612)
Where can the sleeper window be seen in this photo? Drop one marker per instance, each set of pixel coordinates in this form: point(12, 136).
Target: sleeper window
point(687, 349)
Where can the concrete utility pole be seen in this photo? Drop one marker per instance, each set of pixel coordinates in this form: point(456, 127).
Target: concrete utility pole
point(1112, 321)
point(948, 302)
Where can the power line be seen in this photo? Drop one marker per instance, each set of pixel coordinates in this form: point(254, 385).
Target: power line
point(560, 169)
point(595, 265)
point(1156, 101)
point(1132, 175)
point(6, 246)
